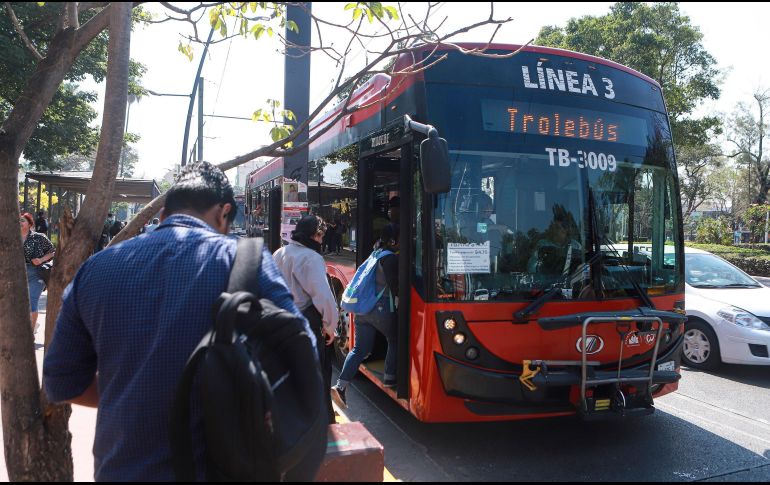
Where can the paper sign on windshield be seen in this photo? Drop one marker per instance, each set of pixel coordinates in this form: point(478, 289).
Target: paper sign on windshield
point(467, 258)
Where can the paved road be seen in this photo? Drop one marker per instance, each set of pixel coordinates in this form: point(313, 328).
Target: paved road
point(715, 428)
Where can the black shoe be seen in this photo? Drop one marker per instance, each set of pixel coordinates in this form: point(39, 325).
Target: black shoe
point(338, 396)
point(389, 383)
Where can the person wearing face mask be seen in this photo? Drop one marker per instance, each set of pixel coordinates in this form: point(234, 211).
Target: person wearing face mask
point(37, 250)
point(304, 270)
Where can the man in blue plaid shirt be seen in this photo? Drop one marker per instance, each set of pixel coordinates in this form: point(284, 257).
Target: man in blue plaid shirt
point(133, 316)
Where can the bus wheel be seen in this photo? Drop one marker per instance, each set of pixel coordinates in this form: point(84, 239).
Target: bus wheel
point(341, 340)
point(701, 347)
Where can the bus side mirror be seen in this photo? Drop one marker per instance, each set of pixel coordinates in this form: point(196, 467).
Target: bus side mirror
point(434, 162)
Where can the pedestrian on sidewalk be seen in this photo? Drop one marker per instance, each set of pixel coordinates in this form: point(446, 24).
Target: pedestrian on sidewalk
point(133, 315)
point(304, 270)
point(37, 250)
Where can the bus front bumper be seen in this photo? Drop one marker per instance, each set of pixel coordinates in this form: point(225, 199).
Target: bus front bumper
point(553, 390)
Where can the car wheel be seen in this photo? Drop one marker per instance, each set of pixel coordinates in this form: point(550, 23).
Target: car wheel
point(701, 347)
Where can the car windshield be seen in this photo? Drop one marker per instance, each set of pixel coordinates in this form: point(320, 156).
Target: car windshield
point(709, 271)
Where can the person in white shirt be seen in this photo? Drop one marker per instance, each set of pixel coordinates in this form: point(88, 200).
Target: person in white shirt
point(304, 270)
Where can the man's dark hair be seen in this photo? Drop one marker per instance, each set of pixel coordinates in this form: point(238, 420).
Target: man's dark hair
point(198, 188)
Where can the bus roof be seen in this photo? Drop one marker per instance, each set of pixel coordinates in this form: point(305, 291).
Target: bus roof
point(379, 86)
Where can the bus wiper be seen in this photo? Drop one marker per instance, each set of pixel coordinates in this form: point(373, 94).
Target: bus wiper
point(535, 305)
point(643, 296)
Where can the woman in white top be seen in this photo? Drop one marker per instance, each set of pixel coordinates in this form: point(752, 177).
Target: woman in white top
point(304, 270)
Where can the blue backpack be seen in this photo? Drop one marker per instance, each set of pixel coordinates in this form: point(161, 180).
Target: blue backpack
point(360, 296)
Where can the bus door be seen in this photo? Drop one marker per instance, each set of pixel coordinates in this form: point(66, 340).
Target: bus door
point(382, 200)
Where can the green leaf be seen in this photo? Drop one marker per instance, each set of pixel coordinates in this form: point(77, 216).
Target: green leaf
point(351, 6)
point(357, 13)
point(293, 26)
point(258, 30)
point(270, 31)
point(186, 50)
point(213, 16)
point(253, 6)
point(376, 7)
point(392, 12)
point(370, 15)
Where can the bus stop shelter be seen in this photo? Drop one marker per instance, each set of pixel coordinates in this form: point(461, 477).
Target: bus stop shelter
point(70, 189)
point(72, 186)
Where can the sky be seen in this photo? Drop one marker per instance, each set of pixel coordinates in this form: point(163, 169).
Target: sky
point(240, 75)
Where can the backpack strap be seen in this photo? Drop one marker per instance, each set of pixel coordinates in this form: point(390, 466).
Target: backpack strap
point(244, 276)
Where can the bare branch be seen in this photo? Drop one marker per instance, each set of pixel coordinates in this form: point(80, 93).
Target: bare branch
point(89, 30)
point(72, 14)
point(20, 30)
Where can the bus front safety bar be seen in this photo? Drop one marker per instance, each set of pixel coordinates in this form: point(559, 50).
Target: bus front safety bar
point(584, 348)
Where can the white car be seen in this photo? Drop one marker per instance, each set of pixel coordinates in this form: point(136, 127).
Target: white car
point(728, 314)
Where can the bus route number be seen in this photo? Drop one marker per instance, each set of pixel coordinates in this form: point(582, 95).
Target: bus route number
point(592, 160)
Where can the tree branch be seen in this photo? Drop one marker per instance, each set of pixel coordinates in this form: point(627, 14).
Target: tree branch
point(20, 30)
point(72, 14)
point(89, 30)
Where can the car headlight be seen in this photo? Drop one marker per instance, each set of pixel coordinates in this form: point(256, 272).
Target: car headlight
point(742, 318)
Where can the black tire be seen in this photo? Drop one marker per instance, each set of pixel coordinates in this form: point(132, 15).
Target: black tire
point(698, 334)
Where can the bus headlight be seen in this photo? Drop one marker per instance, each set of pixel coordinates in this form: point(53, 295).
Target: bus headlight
point(742, 318)
point(459, 338)
point(450, 324)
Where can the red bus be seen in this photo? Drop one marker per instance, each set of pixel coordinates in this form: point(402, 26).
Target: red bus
point(548, 279)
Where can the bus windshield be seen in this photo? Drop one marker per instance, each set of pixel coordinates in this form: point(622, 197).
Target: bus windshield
point(540, 184)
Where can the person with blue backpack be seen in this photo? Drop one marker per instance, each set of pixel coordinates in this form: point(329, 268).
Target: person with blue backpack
point(371, 296)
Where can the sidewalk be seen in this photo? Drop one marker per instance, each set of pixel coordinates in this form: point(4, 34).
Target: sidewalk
point(82, 422)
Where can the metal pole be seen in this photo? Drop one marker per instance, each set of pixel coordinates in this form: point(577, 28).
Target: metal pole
point(26, 189)
point(296, 90)
point(192, 100)
point(200, 119)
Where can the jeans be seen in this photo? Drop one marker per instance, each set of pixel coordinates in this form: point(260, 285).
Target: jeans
point(366, 332)
point(315, 320)
point(36, 285)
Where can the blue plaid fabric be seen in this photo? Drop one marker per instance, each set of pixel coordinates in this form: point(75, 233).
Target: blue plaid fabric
point(135, 313)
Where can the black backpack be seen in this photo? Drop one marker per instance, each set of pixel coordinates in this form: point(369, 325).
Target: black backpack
point(257, 377)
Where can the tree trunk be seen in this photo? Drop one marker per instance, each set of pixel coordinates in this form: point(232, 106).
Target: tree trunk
point(37, 444)
point(82, 238)
point(26, 438)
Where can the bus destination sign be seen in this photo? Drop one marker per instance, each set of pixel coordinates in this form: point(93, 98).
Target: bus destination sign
point(523, 118)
